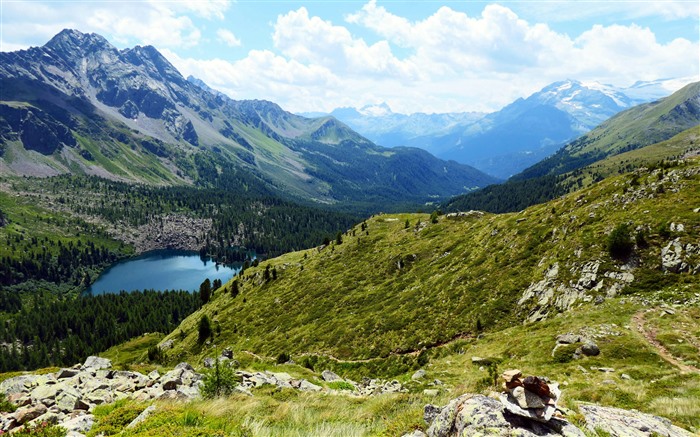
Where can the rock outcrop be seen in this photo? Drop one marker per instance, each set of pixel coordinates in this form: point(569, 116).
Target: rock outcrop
point(68, 396)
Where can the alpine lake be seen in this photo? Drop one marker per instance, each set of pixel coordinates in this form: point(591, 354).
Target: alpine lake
point(162, 270)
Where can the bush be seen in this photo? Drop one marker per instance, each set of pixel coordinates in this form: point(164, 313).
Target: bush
point(155, 354)
point(219, 381)
point(204, 328)
point(619, 243)
point(5, 405)
point(283, 358)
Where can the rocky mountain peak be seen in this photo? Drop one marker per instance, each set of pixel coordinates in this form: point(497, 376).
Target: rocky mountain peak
point(73, 44)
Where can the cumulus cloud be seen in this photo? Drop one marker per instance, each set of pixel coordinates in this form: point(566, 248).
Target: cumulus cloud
point(228, 38)
point(316, 41)
point(162, 24)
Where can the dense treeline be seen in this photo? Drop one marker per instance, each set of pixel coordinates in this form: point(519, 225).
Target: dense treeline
point(241, 218)
point(50, 260)
point(49, 331)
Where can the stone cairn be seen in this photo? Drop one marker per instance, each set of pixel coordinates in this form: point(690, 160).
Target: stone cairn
point(529, 397)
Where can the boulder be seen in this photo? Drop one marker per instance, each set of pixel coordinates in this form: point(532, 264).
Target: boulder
point(66, 373)
point(329, 376)
point(590, 349)
point(81, 423)
point(568, 338)
point(672, 257)
point(18, 384)
point(227, 353)
point(305, 385)
point(24, 415)
point(619, 422)
point(93, 363)
point(419, 374)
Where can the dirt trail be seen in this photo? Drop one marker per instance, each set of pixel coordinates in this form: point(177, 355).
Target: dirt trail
point(649, 335)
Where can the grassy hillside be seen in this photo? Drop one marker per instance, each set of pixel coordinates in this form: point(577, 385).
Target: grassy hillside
point(650, 383)
point(399, 284)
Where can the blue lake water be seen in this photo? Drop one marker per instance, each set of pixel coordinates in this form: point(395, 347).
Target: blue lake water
point(161, 270)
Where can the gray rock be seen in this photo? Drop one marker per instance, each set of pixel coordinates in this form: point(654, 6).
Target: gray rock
point(24, 415)
point(672, 257)
point(430, 412)
point(590, 349)
point(66, 373)
point(168, 344)
point(619, 422)
point(141, 417)
point(305, 385)
point(96, 363)
point(329, 376)
point(431, 392)
point(227, 353)
point(154, 375)
point(568, 338)
point(18, 384)
point(82, 423)
point(209, 363)
point(526, 399)
point(420, 374)
point(415, 433)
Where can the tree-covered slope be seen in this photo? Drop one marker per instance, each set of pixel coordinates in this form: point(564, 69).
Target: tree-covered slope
point(401, 283)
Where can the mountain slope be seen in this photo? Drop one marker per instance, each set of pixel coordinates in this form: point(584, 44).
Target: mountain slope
point(522, 133)
point(669, 126)
point(399, 283)
point(390, 129)
point(129, 115)
point(635, 128)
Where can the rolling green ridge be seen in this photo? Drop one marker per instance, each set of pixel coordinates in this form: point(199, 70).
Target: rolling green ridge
point(671, 125)
point(398, 284)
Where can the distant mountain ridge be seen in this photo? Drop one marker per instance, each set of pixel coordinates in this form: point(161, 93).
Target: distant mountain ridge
point(507, 141)
point(130, 115)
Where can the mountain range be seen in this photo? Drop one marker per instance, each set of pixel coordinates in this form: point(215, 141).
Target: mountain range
point(507, 141)
point(80, 105)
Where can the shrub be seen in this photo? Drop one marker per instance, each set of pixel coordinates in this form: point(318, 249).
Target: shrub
point(5, 405)
point(204, 328)
point(219, 381)
point(619, 242)
point(155, 354)
point(283, 358)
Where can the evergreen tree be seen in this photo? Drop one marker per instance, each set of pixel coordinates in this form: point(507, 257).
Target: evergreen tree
point(204, 328)
point(205, 291)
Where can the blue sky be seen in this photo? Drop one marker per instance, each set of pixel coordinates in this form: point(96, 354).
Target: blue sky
point(427, 56)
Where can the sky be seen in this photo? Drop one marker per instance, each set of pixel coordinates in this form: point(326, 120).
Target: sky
point(417, 56)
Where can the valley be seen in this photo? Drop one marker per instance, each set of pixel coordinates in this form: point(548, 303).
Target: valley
point(330, 286)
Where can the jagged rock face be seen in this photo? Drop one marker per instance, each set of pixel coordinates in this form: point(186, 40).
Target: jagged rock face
point(38, 130)
point(133, 81)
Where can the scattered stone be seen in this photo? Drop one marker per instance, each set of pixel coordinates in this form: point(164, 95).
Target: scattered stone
point(590, 349)
point(96, 363)
point(431, 392)
point(305, 385)
point(24, 415)
point(481, 361)
point(228, 353)
point(168, 344)
point(625, 377)
point(209, 363)
point(420, 374)
point(416, 433)
point(329, 376)
point(604, 369)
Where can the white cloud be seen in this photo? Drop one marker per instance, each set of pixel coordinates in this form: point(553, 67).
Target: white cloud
point(228, 38)
point(316, 41)
point(160, 23)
